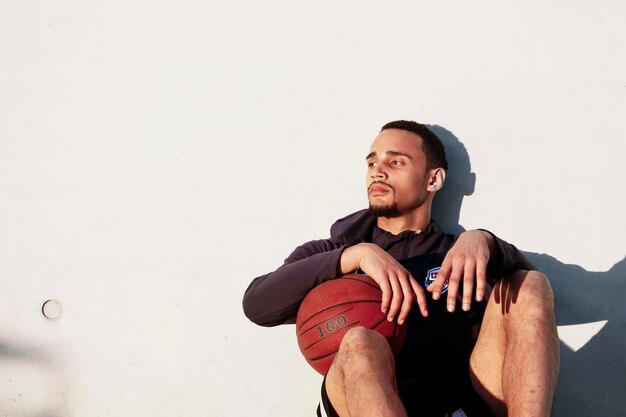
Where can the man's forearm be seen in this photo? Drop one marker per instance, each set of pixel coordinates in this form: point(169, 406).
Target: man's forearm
point(274, 298)
point(350, 260)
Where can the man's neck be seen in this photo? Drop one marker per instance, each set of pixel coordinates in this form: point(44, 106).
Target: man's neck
point(397, 225)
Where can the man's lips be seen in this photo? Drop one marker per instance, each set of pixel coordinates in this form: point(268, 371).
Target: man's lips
point(379, 189)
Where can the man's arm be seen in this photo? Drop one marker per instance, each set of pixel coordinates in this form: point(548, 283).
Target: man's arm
point(399, 289)
point(274, 298)
point(475, 254)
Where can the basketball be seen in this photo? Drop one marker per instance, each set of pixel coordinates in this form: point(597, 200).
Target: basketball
point(334, 307)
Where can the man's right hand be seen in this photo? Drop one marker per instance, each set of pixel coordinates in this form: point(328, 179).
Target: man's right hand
point(400, 289)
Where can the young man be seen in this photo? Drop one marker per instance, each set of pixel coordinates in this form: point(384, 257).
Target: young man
point(511, 368)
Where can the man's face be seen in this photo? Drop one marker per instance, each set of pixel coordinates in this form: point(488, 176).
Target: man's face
point(397, 177)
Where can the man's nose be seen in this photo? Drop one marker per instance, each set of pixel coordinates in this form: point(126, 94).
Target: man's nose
point(378, 172)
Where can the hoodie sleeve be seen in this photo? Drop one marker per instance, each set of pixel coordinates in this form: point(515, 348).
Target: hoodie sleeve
point(274, 298)
point(507, 260)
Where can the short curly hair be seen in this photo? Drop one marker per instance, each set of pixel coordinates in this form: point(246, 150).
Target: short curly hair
point(431, 144)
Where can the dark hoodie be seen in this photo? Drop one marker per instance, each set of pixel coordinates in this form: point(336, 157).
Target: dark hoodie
point(274, 298)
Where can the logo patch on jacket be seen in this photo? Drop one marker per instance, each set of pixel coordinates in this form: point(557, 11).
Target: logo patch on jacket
point(431, 276)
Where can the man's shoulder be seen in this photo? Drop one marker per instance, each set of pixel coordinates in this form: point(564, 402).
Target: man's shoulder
point(356, 217)
point(353, 228)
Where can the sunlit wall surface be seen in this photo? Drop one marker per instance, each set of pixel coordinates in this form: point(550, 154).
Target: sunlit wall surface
point(156, 156)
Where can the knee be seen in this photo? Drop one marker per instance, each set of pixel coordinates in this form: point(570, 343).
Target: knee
point(536, 292)
point(531, 297)
point(360, 341)
point(363, 348)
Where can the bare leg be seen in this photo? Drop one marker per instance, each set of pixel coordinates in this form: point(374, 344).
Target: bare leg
point(361, 380)
point(515, 363)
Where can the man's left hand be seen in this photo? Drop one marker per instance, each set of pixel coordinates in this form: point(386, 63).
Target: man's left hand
point(466, 260)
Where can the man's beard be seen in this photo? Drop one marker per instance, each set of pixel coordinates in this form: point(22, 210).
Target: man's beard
point(384, 211)
point(390, 210)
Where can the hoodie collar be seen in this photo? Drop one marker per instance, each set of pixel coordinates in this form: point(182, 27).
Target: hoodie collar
point(361, 227)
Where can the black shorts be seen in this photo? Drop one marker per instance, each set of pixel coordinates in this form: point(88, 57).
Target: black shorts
point(443, 401)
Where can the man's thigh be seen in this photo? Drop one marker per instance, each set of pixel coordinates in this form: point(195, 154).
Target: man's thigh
point(325, 407)
point(488, 354)
point(333, 399)
point(508, 299)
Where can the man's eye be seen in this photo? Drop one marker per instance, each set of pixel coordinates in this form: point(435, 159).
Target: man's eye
point(371, 164)
point(395, 162)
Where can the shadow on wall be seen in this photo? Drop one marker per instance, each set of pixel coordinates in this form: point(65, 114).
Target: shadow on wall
point(592, 377)
point(33, 381)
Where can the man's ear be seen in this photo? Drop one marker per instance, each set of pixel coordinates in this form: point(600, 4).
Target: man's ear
point(436, 179)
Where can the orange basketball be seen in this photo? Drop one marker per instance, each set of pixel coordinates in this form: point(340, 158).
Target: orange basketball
point(331, 308)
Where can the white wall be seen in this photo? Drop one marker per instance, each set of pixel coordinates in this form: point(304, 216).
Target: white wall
point(156, 156)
